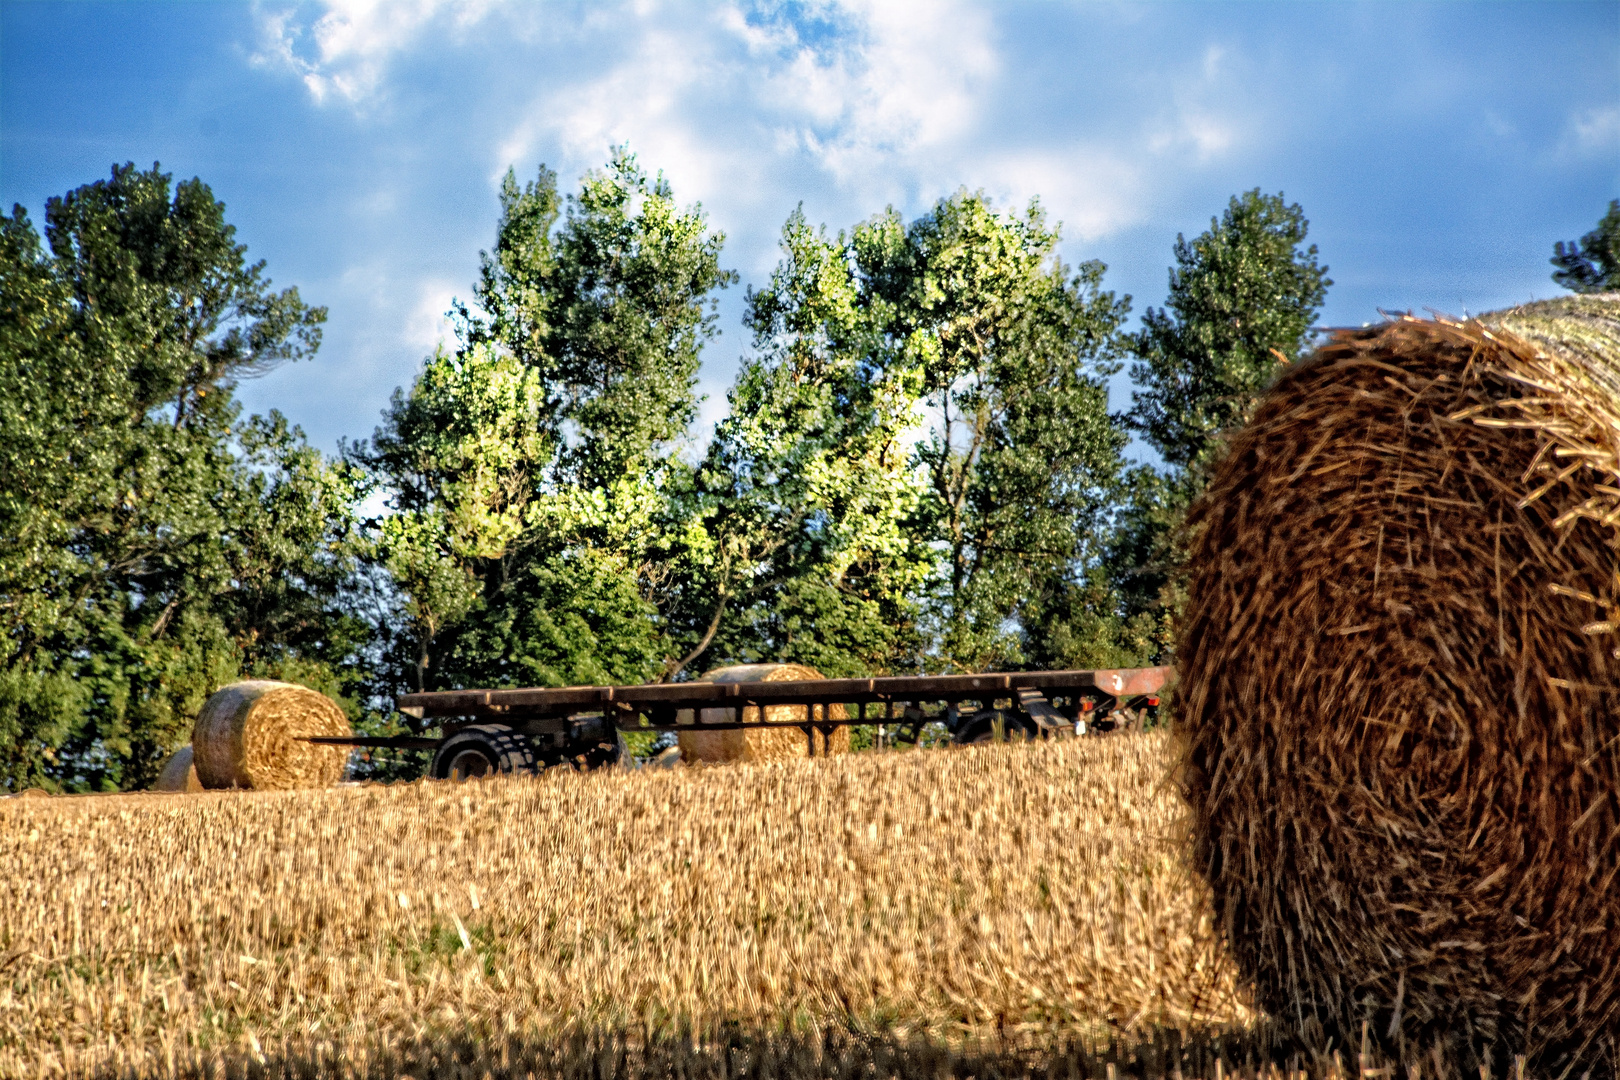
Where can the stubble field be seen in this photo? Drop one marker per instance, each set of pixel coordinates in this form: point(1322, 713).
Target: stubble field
point(1031, 900)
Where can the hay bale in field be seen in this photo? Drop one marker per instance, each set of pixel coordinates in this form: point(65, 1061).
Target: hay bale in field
point(179, 773)
point(760, 744)
point(248, 736)
point(1399, 665)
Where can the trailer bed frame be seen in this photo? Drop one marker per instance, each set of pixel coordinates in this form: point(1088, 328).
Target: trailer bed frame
point(561, 721)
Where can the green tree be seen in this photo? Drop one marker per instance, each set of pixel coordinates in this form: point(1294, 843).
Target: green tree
point(543, 526)
point(153, 542)
point(1022, 456)
point(1243, 297)
point(461, 459)
point(1591, 264)
point(1242, 301)
point(810, 474)
point(963, 335)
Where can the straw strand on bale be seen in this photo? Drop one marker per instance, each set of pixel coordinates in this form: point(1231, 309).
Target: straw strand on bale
point(250, 735)
point(1398, 712)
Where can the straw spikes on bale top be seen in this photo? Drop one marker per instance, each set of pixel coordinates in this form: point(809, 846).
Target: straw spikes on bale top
point(1399, 675)
point(760, 744)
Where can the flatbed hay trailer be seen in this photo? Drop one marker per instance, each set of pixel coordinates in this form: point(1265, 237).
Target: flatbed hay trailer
point(521, 730)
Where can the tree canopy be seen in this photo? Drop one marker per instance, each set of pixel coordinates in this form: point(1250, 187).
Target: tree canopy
point(153, 541)
point(544, 528)
point(918, 469)
point(1591, 264)
point(1243, 296)
point(1242, 300)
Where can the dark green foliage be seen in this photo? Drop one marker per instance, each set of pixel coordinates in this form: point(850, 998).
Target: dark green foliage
point(569, 621)
point(1143, 552)
point(1593, 263)
point(1242, 300)
point(968, 550)
point(517, 280)
point(809, 474)
point(611, 310)
point(1024, 456)
point(153, 542)
point(918, 471)
point(1243, 297)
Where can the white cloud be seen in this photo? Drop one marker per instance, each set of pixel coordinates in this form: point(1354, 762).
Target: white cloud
point(1595, 131)
point(427, 326)
point(638, 100)
point(345, 52)
point(915, 85)
point(722, 100)
point(879, 102)
point(1203, 115)
point(1092, 190)
point(848, 104)
point(1205, 133)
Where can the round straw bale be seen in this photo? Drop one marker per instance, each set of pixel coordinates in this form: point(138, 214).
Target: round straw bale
point(761, 744)
point(249, 735)
point(1398, 708)
point(179, 773)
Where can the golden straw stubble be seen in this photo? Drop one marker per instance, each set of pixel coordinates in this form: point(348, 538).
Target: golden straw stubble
point(250, 735)
point(1035, 891)
point(1397, 703)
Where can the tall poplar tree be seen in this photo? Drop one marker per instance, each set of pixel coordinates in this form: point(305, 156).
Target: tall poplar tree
point(1243, 298)
point(962, 335)
point(811, 477)
point(543, 527)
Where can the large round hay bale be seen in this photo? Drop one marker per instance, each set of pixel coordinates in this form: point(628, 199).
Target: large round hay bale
point(760, 744)
point(179, 773)
point(249, 735)
point(1399, 668)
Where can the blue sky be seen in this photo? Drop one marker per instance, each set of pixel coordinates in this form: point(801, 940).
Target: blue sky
point(1439, 150)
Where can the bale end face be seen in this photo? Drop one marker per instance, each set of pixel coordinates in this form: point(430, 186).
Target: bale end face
point(1397, 702)
point(250, 735)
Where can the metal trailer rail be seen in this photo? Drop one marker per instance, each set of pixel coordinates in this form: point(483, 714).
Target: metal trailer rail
point(518, 729)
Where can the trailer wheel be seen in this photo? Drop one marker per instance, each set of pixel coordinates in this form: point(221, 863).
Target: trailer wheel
point(592, 742)
point(995, 725)
point(598, 755)
point(481, 750)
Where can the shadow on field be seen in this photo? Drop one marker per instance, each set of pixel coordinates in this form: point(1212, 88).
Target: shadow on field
point(734, 1054)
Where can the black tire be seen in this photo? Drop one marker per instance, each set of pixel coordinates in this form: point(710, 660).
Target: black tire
point(995, 725)
point(481, 750)
point(591, 743)
point(588, 757)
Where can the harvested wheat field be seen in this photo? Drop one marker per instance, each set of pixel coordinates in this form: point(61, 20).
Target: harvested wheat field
point(1028, 895)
